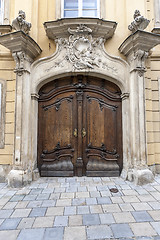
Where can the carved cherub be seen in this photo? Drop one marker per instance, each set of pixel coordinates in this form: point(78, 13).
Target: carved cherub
point(20, 24)
point(139, 23)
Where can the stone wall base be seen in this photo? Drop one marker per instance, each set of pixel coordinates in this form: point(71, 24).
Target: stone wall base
point(139, 177)
point(4, 170)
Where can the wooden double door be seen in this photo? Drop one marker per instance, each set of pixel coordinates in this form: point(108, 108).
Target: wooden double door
point(80, 128)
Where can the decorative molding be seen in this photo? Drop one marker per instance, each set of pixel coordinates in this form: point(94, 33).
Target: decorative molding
point(139, 23)
point(124, 96)
point(19, 58)
point(2, 111)
point(20, 24)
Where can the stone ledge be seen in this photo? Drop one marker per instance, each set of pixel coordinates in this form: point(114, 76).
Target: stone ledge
point(5, 29)
point(99, 27)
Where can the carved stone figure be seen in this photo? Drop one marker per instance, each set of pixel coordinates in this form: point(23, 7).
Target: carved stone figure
point(139, 23)
point(20, 24)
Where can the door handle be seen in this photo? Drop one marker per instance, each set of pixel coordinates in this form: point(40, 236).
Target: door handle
point(83, 133)
point(75, 133)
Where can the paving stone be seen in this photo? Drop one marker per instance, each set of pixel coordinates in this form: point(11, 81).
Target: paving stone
point(121, 230)
point(31, 234)
point(141, 206)
point(75, 220)
point(146, 198)
point(99, 232)
point(26, 223)
point(156, 226)
point(67, 195)
point(126, 207)
point(142, 191)
point(91, 201)
point(104, 200)
point(92, 189)
point(105, 193)
point(102, 188)
point(52, 211)
point(70, 210)
point(47, 190)
point(10, 205)
point(116, 200)
point(35, 191)
point(55, 233)
point(34, 204)
point(82, 210)
point(142, 229)
point(95, 194)
point(82, 189)
point(9, 235)
point(17, 198)
point(130, 199)
point(59, 190)
point(43, 196)
point(48, 203)
point(10, 224)
point(155, 214)
point(155, 205)
point(82, 194)
point(38, 212)
point(123, 217)
point(78, 201)
point(61, 221)
point(20, 213)
point(142, 216)
point(71, 189)
point(5, 213)
point(75, 233)
point(30, 197)
point(111, 208)
point(106, 218)
point(91, 219)
point(54, 196)
point(63, 202)
point(22, 204)
point(96, 209)
point(43, 222)
point(129, 192)
point(156, 195)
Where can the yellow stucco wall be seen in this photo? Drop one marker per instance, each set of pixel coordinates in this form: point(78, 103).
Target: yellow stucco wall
point(121, 11)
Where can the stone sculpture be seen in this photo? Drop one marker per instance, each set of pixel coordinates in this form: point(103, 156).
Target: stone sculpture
point(139, 23)
point(20, 24)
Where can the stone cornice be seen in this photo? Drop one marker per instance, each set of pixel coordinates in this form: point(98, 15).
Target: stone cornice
point(20, 42)
point(99, 27)
point(139, 40)
point(5, 29)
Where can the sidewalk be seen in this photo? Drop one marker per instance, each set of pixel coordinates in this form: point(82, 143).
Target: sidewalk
point(80, 208)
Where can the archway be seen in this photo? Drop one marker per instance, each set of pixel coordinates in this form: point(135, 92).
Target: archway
point(80, 127)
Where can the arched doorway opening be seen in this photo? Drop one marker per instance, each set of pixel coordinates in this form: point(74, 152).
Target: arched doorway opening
point(80, 127)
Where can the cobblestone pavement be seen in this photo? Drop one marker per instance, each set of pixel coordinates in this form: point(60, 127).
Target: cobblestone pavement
point(80, 208)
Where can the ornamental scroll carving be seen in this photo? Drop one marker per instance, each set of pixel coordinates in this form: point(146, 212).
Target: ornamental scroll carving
point(81, 49)
point(139, 23)
point(140, 57)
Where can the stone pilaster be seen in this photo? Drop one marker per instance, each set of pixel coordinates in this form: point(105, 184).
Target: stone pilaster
point(136, 48)
point(24, 51)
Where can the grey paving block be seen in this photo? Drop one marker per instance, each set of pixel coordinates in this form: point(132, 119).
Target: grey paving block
point(34, 204)
point(142, 216)
point(26, 223)
point(48, 203)
point(17, 198)
point(104, 200)
point(99, 232)
point(155, 205)
point(156, 226)
point(43, 196)
point(30, 197)
point(95, 194)
point(59, 190)
point(61, 221)
point(9, 234)
point(75, 233)
point(5, 213)
point(91, 219)
point(10, 224)
point(78, 201)
point(20, 213)
point(71, 189)
point(55, 233)
point(106, 218)
point(35, 191)
point(54, 196)
point(31, 234)
point(82, 210)
point(70, 210)
point(10, 205)
point(121, 230)
point(38, 212)
point(91, 201)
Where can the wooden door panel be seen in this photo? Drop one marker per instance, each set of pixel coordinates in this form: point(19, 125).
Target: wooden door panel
point(58, 146)
point(101, 144)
